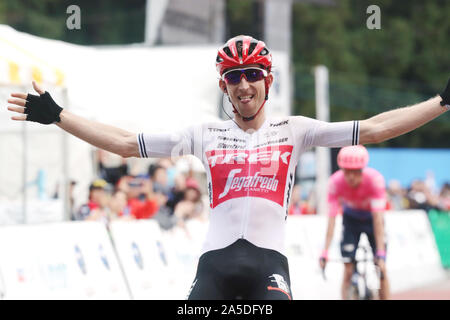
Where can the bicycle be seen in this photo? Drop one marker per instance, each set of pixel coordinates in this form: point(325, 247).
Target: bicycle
point(361, 288)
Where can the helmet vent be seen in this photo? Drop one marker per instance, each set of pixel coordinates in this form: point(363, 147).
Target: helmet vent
point(228, 52)
point(239, 48)
point(252, 47)
point(264, 52)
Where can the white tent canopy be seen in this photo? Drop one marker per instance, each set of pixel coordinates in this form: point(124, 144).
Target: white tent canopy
point(136, 87)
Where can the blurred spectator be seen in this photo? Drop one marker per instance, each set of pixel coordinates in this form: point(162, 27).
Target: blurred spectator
point(118, 206)
point(444, 198)
point(98, 200)
point(158, 176)
point(71, 197)
point(171, 170)
point(396, 196)
point(297, 205)
point(430, 182)
point(141, 200)
point(111, 167)
point(191, 207)
point(420, 197)
point(177, 192)
point(162, 193)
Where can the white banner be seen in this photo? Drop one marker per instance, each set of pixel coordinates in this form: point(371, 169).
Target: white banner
point(144, 259)
point(73, 260)
point(158, 265)
point(304, 242)
point(412, 257)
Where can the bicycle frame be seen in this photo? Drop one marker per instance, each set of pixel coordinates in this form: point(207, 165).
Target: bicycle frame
point(359, 288)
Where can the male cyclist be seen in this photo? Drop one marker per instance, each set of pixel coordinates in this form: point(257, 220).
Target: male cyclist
point(250, 164)
point(359, 193)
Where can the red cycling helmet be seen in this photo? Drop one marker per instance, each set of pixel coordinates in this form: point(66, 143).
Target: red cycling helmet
point(243, 50)
point(353, 157)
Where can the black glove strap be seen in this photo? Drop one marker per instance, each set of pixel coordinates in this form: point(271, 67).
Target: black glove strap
point(446, 95)
point(42, 109)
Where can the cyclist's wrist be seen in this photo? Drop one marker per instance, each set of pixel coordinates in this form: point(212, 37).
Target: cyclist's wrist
point(381, 254)
point(445, 95)
point(42, 109)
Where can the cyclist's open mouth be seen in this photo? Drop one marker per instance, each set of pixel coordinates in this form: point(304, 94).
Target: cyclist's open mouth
point(245, 99)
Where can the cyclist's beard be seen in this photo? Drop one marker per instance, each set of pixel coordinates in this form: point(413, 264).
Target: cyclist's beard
point(249, 118)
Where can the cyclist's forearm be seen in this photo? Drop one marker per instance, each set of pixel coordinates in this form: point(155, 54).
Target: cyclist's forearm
point(330, 232)
point(378, 230)
point(391, 124)
point(100, 135)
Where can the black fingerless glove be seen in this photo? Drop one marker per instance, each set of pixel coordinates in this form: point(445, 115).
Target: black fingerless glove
point(42, 109)
point(446, 95)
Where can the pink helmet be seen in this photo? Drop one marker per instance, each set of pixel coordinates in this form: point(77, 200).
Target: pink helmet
point(243, 50)
point(353, 157)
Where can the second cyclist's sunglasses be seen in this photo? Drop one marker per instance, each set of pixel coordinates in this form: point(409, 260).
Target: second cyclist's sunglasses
point(251, 74)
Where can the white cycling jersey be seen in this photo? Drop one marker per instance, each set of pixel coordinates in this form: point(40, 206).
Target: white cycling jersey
point(250, 175)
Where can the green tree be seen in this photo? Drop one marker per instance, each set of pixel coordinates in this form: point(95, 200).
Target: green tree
point(102, 21)
point(374, 70)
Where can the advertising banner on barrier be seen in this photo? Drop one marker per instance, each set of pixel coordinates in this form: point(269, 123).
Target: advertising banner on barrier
point(412, 256)
point(72, 260)
point(184, 246)
point(144, 258)
point(305, 236)
point(75, 260)
point(158, 265)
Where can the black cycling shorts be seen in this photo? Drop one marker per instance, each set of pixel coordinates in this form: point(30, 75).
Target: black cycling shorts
point(351, 233)
point(241, 271)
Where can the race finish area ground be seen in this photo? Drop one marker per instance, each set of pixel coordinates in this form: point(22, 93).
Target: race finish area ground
point(435, 291)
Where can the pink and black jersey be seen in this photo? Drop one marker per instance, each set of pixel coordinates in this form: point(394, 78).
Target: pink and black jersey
point(359, 202)
point(250, 175)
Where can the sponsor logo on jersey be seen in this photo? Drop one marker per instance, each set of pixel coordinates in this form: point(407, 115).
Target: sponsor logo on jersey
point(282, 123)
point(218, 129)
point(280, 284)
point(259, 172)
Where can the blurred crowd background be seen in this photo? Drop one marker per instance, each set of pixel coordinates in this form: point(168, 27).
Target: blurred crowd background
point(172, 196)
point(371, 71)
point(162, 192)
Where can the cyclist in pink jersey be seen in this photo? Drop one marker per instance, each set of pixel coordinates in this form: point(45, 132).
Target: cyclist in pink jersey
point(249, 160)
point(359, 194)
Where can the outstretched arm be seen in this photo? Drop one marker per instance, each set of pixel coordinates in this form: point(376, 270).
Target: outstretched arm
point(391, 124)
point(103, 136)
